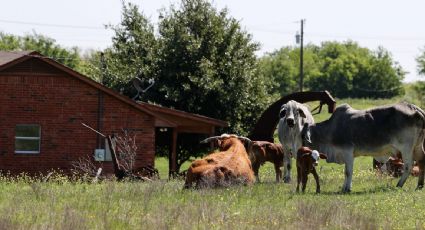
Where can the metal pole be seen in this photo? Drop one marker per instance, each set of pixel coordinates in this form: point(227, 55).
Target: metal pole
point(302, 56)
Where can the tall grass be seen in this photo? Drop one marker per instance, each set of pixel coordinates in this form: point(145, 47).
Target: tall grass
point(61, 204)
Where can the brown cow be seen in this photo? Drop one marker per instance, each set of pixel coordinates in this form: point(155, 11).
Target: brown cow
point(220, 169)
point(262, 151)
point(307, 160)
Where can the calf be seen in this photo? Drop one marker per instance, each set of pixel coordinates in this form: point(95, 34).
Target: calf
point(219, 169)
point(307, 160)
point(262, 151)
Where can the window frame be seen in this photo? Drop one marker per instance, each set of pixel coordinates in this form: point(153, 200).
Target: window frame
point(30, 139)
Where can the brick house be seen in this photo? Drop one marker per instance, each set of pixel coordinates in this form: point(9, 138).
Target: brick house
point(44, 103)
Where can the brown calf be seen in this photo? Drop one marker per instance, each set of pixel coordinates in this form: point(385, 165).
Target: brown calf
point(307, 161)
point(220, 169)
point(262, 151)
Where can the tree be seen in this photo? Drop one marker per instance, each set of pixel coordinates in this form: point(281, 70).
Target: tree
point(44, 45)
point(133, 53)
point(207, 65)
point(421, 63)
point(280, 69)
point(344, 69)
point(201, 60)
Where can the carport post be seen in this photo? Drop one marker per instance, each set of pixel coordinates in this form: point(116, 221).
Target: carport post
point(173, 159)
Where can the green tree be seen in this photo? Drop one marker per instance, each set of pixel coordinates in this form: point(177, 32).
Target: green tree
point(207, 65)
point(133, 53)
point(44, 45)
point(382, 79)
point(201, 59)
point(421, 63)
point(280, 69)
point(344, 69)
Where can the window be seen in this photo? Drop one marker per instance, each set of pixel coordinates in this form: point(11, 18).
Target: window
point(27, 139)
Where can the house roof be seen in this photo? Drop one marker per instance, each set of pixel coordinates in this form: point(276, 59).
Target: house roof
point(165, 116)
point(10, 56)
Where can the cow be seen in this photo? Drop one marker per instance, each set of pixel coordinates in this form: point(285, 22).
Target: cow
point(290, 128)
point(262, 151)
point(349, 133)
point(307, 160)
point(221, 169)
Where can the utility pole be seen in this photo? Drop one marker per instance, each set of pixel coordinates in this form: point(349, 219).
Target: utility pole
point(300, 39)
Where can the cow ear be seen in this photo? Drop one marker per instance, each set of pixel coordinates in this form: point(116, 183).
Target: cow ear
point(301, 112)
point(322, 156)
point(307, 134)
point(306, 155)
point(282, 113)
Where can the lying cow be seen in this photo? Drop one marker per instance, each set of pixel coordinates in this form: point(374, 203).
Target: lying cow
point(392, 166)
point(349, 133)
point(218, 169)
point(262, 151)
point(307, 160)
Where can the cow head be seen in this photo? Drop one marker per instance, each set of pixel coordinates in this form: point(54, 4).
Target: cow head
point(224, 141)
point(293, 116)
point(309, 158)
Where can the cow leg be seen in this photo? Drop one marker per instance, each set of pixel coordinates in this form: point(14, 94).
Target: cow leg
point(316, 177)
point(408, 164)
point(287, 169)
point(189, 179)
point(256, 168)
point(349, 163)
point(278, 172)
point(304, 179)
point(420, 160)
point(298, 178)
point(421, 164)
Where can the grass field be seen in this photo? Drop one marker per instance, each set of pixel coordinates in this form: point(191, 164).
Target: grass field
point(374, 203)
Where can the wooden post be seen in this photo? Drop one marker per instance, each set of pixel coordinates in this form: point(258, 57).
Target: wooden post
point(173, 157)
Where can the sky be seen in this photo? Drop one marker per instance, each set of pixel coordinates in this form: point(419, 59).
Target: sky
point(396, 25)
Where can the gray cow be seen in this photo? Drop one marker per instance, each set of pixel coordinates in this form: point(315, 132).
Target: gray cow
point(349, 133)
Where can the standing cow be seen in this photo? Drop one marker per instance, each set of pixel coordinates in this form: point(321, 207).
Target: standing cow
point(262, 151)
point(349, 133)
point(289, 129)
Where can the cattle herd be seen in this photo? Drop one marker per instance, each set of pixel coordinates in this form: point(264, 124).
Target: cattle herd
point(387, 133)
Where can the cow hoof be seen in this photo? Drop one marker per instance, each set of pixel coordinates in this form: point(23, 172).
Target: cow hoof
point(287, 180)
point(346, 190)
point(420, 187)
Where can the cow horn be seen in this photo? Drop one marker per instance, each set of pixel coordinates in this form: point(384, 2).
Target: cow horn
point(244, 139)
point(207, 140)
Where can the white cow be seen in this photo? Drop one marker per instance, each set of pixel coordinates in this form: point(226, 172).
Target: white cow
point(349, 133)
point(289, 129)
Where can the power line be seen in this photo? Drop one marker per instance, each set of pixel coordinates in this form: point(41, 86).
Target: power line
point(53, 25)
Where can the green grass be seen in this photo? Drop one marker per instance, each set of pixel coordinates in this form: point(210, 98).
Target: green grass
point(374, 203)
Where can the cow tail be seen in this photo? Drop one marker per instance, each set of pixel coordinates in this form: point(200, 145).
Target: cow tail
point(420, 112)
point(422, 136)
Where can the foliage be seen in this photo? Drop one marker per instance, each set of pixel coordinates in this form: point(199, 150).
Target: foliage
point(201, 60)
point(419, 88)
point(280, 69)
point(44, 45)
point(421, 63)
point(344, 69)
point(213, 61)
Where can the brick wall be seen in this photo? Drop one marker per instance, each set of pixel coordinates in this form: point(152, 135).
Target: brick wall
point(59, 103)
